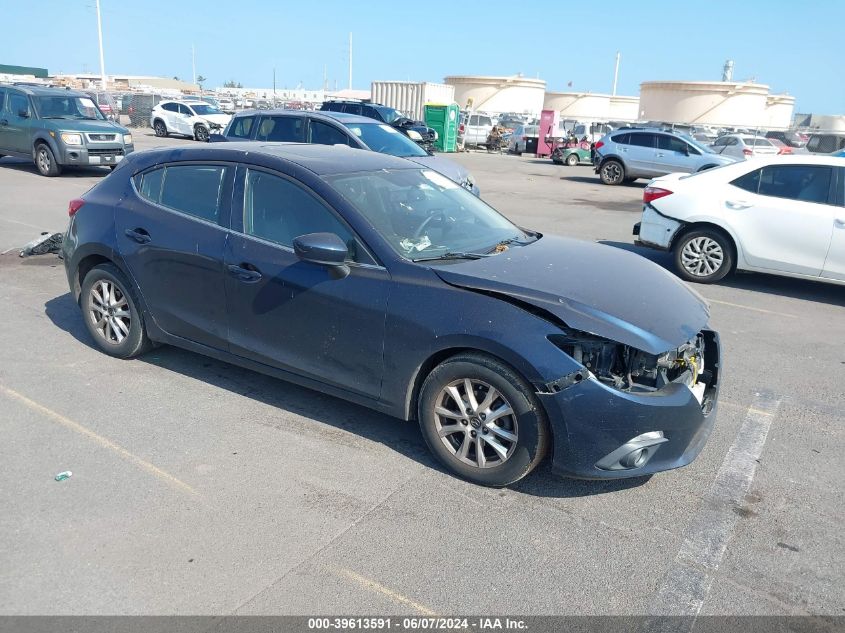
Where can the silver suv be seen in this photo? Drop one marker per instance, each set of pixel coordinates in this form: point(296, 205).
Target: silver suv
point(627, 154)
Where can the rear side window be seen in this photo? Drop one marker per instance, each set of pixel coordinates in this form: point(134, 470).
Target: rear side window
point(282, 128)
point(191, 189)
point(241, 127)
point(642, 140)
point(325, 134)
point(621, 139)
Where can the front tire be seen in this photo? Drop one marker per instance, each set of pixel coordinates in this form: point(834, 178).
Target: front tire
point(45, 161)
point(704, 256)
point(612, 172)
point(482, 420)
point(111, 314)
point(201, 133)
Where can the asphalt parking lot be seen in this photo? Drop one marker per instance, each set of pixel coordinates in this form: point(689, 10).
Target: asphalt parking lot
point(202, 488)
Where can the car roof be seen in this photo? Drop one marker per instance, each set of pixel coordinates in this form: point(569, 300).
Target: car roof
point(340, 117)
point(44, 91)
point(323, 160)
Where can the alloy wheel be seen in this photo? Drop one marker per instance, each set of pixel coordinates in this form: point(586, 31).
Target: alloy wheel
point(109, 312)
point(702, 256)
point(43, 160)
point(476, 423)
point(612, 172)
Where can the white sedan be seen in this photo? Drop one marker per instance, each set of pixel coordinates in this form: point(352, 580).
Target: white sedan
point(783, 215)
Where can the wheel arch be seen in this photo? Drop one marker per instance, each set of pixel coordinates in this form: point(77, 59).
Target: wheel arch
point(44, 137)
point(689, 227)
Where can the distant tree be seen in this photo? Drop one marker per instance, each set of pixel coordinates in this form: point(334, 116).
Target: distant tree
point(176, 78)
point(230, 84)
point(200, 80)
point(240, 85)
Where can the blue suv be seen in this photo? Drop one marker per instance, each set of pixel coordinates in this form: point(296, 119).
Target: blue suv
point(630, 153)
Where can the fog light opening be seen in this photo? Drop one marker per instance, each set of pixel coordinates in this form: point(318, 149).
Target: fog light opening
point(635, 459)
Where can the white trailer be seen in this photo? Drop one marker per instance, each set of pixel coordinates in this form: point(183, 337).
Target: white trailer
point(410, 97)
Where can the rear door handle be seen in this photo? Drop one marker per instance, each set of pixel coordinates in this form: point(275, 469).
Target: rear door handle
point(737, 204)
point(139, 235)
point(661, 155)
point(840, 222)
point(4, 122)
point(244, 274)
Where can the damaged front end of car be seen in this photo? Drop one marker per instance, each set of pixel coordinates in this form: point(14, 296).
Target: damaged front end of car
point(627, 412)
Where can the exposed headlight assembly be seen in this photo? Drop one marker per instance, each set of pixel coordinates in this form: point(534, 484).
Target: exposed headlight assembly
point(71, 138)
point(414, 135)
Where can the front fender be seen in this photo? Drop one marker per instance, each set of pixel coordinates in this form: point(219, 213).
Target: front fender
point(44, 136)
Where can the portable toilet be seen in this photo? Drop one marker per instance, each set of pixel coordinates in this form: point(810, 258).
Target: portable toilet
point(549, 124)
point(443, 119)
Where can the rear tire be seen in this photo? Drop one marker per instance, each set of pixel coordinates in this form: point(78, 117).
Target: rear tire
point(703, 256)
point(45, 161)
point(160, 128)
point(572, 160)
point(494, 437)
point(612, 172)
point(111, 313)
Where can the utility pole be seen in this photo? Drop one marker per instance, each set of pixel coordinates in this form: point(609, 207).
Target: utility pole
point(274, 86)
point(325, 77)
point(616, 73)
point(194, 63)
point(100, 37)
point(350, 58)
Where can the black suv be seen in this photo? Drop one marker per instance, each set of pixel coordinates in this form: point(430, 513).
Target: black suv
point(417, 131)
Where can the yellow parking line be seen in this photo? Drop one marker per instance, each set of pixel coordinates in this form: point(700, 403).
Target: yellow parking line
point(99, 439)
point(372, 585)
point(737, 305)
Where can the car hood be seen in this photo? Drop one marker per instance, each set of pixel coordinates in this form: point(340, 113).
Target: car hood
point(222, 119)
point(593, 288)
point(79, 125)
point(448, 168)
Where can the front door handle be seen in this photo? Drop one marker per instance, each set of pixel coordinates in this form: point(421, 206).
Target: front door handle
point(840, 222)
point(737, 204)
point(240, 271)
point(661, 155)
point(139, 235)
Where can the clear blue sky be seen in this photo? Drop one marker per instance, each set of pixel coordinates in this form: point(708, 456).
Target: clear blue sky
point(788, 45)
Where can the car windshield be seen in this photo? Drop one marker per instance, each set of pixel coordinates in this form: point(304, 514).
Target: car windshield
point(204, 109)
point(389, 114)
point(699, 146)
point(422, 214)
point(68, 107)
point(386, 140)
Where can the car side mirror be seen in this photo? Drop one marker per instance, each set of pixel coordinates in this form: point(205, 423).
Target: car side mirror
point(24, 114)
point(325, 249)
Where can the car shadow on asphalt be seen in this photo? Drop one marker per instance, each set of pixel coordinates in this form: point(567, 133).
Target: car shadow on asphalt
point(805, 289)
point(594, 180)
point(73, 172)
point(402, 437)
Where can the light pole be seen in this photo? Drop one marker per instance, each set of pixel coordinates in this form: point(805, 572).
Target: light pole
point(100, 37)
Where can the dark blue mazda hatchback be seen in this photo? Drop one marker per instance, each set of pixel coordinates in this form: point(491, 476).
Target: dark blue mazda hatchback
point(373, 279)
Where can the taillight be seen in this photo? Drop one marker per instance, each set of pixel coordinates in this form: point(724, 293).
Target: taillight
point(653, 193)
point(599, 144)
point(461, 129)
point(747, 152)
point(785, 150)
point(74, 205)
point(524, 138)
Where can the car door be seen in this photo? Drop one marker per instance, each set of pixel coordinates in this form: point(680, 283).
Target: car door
point(673, 155)
point(183, 120)
point(638, 154)
point(169, 111)
point(834, 265)
point(171, 232)
point(296, 315)
point(783, 217)
point(18, 132)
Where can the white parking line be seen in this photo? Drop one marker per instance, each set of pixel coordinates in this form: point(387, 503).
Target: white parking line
point(687, 583)
point(753, 309)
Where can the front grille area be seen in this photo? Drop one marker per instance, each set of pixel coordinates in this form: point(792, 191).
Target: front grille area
point(102, 138)
point(106, 152)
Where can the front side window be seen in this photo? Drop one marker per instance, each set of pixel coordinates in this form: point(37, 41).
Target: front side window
point(2, 99)
point(325, 134)
point(670, 143)
point(385, 139)
point(289, 129)
point(807, 183)
point(183, 109)
point(18, 103)
point(279, 210)
point(748, 182)
point(192, 189)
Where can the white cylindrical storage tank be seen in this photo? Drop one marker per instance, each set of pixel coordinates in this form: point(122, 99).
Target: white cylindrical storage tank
point(779, 111)
point(410, 97)
point(578, 106)
point(624, 108)
point(704, 102)
point(499, 94)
